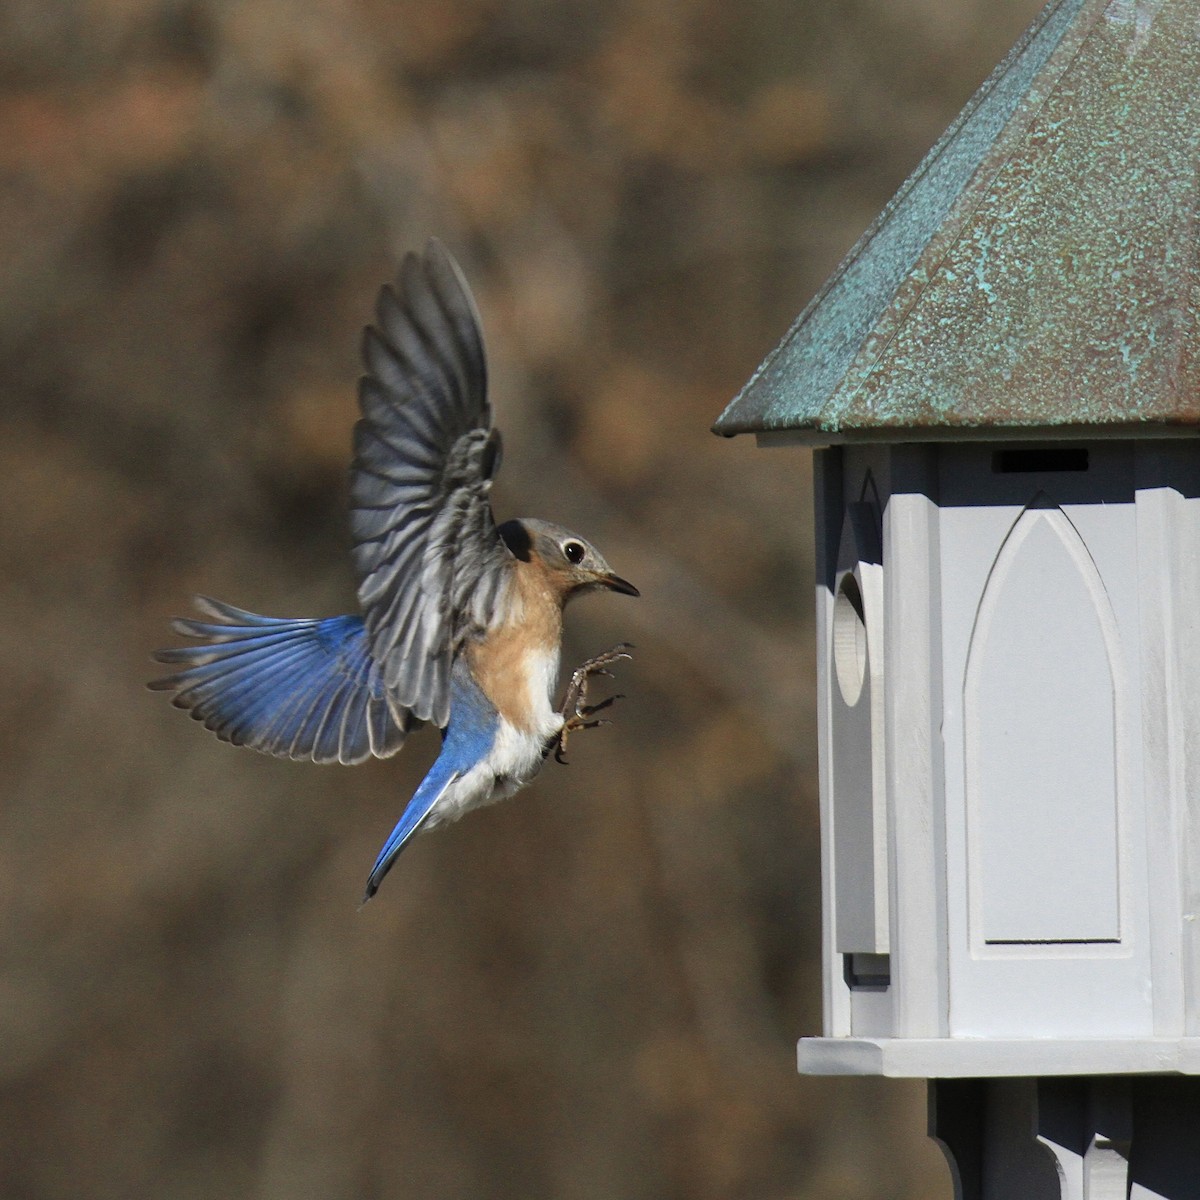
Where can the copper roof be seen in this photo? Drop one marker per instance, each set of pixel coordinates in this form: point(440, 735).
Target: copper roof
point(1038, 270)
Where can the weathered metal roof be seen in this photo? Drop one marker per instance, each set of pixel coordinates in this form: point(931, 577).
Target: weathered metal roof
point(1038, 270)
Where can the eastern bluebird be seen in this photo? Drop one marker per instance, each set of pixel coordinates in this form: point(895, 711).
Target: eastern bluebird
point(461, 620)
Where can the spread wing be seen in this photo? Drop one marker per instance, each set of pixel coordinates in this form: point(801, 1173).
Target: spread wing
point(431, 565)
point(289, 686)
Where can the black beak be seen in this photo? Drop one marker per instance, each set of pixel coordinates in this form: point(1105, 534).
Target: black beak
point(617, 584)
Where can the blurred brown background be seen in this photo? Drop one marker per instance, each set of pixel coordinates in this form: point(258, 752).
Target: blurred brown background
point(593, 991)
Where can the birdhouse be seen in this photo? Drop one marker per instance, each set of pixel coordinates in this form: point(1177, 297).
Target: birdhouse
point(1002, 384)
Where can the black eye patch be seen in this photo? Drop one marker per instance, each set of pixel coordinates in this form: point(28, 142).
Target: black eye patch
point(516, 538)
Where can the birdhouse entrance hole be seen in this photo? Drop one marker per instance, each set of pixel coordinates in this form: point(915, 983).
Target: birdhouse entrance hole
point(849, 640)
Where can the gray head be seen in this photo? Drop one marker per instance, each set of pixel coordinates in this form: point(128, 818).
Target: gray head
point(572, 564)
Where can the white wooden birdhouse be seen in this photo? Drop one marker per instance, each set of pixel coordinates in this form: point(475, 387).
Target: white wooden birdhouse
point(1002, 382)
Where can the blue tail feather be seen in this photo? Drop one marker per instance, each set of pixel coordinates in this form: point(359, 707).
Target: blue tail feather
point(441, 775)
point(466, 742)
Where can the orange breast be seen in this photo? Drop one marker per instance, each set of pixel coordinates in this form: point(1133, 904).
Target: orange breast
point(509, 662)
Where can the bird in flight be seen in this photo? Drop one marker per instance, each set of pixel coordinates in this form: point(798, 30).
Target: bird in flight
point(461, 618)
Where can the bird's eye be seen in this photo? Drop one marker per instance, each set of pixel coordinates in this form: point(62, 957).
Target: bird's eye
point(573, 551)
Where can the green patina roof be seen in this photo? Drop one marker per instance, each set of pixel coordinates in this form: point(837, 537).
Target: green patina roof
point(1041, 267)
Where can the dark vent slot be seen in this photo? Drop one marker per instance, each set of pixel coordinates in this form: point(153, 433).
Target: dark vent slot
point(1029, 461)
point(867, 972)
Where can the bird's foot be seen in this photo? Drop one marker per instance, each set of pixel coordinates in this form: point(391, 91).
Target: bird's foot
point(577, 713)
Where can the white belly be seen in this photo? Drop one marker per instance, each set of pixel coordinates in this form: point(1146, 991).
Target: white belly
point(541, 678)
point(515, 758)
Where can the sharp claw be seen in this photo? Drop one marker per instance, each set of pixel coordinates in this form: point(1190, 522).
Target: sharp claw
point(575, 712)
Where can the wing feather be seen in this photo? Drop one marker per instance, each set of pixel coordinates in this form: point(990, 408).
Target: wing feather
point(432, 567)
point(298, 688)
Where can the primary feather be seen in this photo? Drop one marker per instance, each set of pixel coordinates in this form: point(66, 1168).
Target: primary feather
point(294, 687)
point(431, 563)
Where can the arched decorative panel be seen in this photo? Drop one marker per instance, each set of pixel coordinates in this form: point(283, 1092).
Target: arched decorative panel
point(1043, 743)
point(1041, 734)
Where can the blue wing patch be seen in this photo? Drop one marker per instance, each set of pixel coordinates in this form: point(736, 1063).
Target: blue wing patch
point(297, 688)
